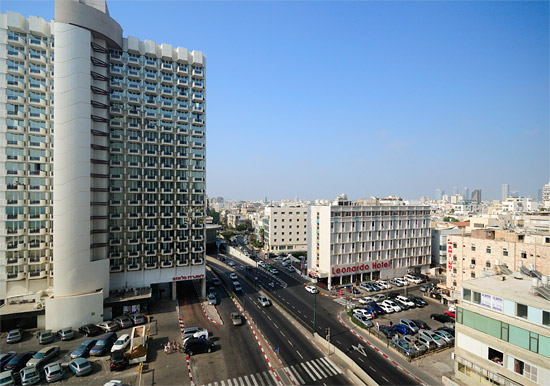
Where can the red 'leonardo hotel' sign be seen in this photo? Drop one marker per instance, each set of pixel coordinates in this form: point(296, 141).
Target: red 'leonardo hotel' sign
point(338, 270)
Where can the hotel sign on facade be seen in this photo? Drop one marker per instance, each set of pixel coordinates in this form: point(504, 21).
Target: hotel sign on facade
point(351, 269)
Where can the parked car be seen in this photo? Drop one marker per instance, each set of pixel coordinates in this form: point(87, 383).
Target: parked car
point(402, 329)
point(365, 312)
point(7, 378)
point(403, 346)
point(450, 314)
point(402, 305)
point(311, 289)
point(375, 286)
point(231, 263)
point(89, 330)
point(29, 375)
point(194, 332)
point(66, 333)
point(376, 308)
point(53, 372)
point(212, 299)
point(108, 326)
point(387, 308)
point(414, 342)
point(409, 323)
point(17, 362)
point(383, 284)
point(80, 367)
point(264, 302)
point(367, 287)
point(450, 339)
point(406, 301)
point(233, 276)
point(273, 271)
point(236, 319)
point(393, 295)
point(14, 336)
point(441, 318)
point(426, 288)
point(391, 304)
point(413, 279)
point(197, 346)
point(387, 331)
point(438, 340)
point(418, 301)
point(421, 324)
point(138, 319)
point(379, 297)
point(362, 319)
point(402, 281)
point(449, 330)
point(103, 345)
point(365, 300)
point(121, 343)
point(119, 361)
point(5, 358)
point(43, 356)
point(123, 321)
point(83, 350)
point(396, 282)
point(428, 342)
point(45, 336)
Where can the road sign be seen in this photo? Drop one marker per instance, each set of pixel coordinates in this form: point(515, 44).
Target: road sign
point(276, 349)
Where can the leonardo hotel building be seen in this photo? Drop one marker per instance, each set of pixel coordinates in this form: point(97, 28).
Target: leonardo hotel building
point(118, 204)
point(365, 240)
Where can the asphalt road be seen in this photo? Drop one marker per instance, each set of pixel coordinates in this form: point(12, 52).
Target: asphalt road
point(304, 361)
point(288, 288)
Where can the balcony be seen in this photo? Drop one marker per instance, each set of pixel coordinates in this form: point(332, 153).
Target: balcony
point(197, 261)
point(151, 90)
point(115, 58)
point(166, 92)
point(115, 268)
point(13, 276)
point(16, 55)
point(182, 70)
point(197, 226)
point(14, 261)
point(166, 239)
point(134, 61)
point(151, 64)
point(136, 151)
point(38, 73)
point(166, 264)
point(16, 85)
point(167, 215)
point(16, 70)
point(182, 227)
point(135, 87)
point(182, 82)
point(115, 255)
point(134, 203)
point(167, 80)
point(134, 228)
point(151, 265)
point(115, 71)
point(116, 84)
point(133, 254)
point(197, 109)
point(166, 66)
point(37, 274)
point(115, 215)
point(198, 122)
point(198, 238)
point(134, 267)
point(150, 253)
point(197, 73)
point(197, 97)
point(181, 262)
point(16, 114)
point(151, 77)
point(134, 74)
point(16, 41)
point(181, 239)
point(196, 85)
point(134, 100)
point(134, 241)
point(182, 95)
point(116, 150)
point(134, 215)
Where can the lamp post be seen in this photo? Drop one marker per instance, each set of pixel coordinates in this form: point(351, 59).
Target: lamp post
point(314, 311)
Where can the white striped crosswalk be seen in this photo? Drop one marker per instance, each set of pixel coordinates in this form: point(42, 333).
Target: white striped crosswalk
point(303, 373)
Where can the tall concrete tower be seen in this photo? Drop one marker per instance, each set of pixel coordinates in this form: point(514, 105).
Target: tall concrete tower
point(505, 192)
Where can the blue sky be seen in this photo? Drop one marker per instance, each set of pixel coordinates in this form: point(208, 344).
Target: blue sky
point(312, 99)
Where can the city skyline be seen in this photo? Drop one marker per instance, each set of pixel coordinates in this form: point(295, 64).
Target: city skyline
point(371, 99)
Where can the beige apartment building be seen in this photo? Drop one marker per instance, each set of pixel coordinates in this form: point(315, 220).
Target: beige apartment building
point(484, 252)
point(285, 229)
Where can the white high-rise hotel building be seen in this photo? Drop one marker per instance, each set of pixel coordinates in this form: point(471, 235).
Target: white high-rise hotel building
point(126, 207)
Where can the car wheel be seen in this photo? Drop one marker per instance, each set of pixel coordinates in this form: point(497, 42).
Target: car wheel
point(209, 350)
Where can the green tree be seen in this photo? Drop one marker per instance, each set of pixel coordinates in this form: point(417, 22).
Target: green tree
point(215, 216)
point(227, 235)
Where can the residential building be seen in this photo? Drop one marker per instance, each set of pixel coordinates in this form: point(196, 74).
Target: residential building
point(285, 229)
point(463, 207)
point(520, 204)
point(440, 231)
point(503, 332)
point(484, 252)
point(128, 198)
point(546, 195)
point(365, 240)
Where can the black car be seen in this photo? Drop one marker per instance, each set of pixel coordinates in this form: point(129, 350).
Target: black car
point(393, 295)
point(387, 330)
point(449, 330)
point(418, 301)
point(441, 318)
point(421, 324)
point(90, 330)
point(197, 345)
point(5, 358)
point(118, 360)
point(401, 304)
point(19, 361)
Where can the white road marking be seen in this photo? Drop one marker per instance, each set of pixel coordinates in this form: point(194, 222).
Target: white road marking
point(361, 360)
point(385, 379)
point(274, 377)
point(283, 334)
point(268, 316)
point(254, 380)
point(275, 325)
point(333, 365)
point(307, 371)
point(370, 367)
point(313, 369)
point(247, 381)
point(314, 363)
point(330, 369)
point(295, 376)
point(290, 342)
point(299, 354)
point(338, 342)
point(241, 380)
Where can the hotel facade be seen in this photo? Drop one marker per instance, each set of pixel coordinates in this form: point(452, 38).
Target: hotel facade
point(127, 205)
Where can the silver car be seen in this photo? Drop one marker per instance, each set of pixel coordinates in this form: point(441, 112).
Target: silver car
point(437, 339)
point(446, 336)
point(409, 323)
point(66, 333)
point(43, 356)
point(53, 372)
point(108, 326)
point(45, 336)
point(29, 375)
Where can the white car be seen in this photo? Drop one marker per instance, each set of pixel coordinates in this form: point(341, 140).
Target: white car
point(264, 302)
point(363, 312)
point(366, 300)
point(406, 301)
point(233, 276)
point(231, 263)
point(387, 309)
point(389, 303)
point(121, 343)
point(413, 279)
point(402, 281)
point(311, 289)
point(383, 284)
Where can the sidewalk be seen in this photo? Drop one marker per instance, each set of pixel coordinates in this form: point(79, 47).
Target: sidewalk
point(410, 368)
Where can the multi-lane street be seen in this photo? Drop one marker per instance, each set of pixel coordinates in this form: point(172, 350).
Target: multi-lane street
point(303, 361)
point(288, 289)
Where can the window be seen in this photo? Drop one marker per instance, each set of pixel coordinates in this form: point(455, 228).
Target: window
point(496, 356)
point(523, 255)
point(488, 264)
point(504, 252)
point(488, 250)
point(546, 318)
point(521, 310)
point(467, 294)
point(473, 274)
point(473, 247)
point(477, 298)
point(473, 262)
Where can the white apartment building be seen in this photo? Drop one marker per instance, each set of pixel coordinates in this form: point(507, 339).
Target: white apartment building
point(440, 231)
point(285, 229)
point(127, 205)
point(503, 332)
point(350, 242)
point(520, 204)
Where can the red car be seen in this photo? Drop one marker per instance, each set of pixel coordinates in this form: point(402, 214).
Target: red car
point(450, 313)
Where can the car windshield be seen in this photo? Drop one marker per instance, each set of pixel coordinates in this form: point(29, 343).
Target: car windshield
point(100, 343)
point(12, 334)
point(120, 341)
point(55, 372)
point(39, 355)
point(46, 335)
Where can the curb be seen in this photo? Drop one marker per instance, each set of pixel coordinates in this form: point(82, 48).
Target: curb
point(209, 318)
point(182, 326)
point(380, 352)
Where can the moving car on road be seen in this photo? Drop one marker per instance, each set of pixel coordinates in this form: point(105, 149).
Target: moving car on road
point(233, 276)
point(212, 299)
point(311, 289)
point(236, 319)
point(264, 302)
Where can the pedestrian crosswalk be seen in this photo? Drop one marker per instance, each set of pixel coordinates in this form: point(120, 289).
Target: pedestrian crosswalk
point(314, 370)
point(304, 373)
point(343, 301)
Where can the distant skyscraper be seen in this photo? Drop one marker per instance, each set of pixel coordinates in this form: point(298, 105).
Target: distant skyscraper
point(476, 195)
point(455, 190)
point(514, 193)
point(466, 194)
point(539, 195)
point(546, 192)
point(505, 192)
point(439, 194)
point(265, 200)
